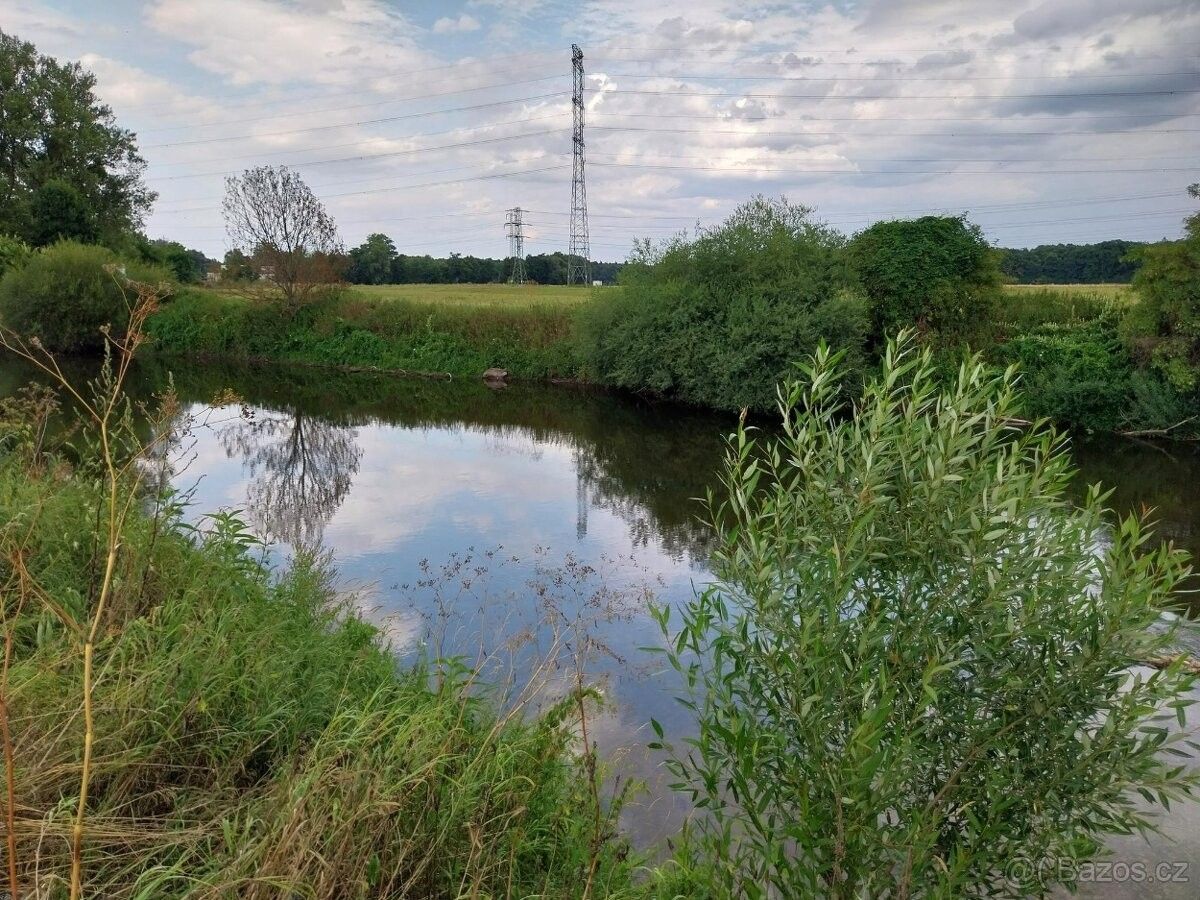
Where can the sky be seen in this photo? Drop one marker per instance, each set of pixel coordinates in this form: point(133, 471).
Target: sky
point(1046, 121)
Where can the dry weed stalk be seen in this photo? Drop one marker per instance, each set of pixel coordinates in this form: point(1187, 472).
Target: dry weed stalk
point(105, 411)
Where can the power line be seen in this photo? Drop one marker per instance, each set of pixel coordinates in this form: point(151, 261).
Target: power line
point(423, 173)
point(991, 173)
point(939, 159)
point(375, 140)
point(843, 133)
point(1065, 95)
point(358, 92)
point(809, 63)
point(1121, 217)
point(878, 49)
point(370, 156)
point(397, 118)
point(310, 112)
point(406, 187)
point(1066, 117)
point(890, 78)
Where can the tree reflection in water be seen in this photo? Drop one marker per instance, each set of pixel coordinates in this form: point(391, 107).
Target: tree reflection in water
point(300, 469)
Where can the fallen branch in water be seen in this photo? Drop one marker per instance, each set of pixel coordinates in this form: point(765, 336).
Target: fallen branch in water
point(1164, 660)
point(1151, 432)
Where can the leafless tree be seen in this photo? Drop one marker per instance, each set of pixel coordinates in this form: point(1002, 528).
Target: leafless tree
point(273, 217)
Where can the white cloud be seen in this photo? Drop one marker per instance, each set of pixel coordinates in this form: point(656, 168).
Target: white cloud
point(464, 22)
point(33, 22)
point(876, 79)
point(263, 42)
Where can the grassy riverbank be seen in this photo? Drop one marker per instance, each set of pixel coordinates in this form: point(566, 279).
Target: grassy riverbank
point(1078, 365)
point(451, 330)
point(252, 737)
point(463, 329)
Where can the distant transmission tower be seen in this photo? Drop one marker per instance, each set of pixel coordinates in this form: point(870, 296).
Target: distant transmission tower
point(578, 268)
point(514, 226)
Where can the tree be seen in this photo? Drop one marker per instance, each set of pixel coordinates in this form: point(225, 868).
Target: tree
point(14, 253)
point(58, 212)
point(272, 216)
point(54, 131)
point(913, 671)
point(1105, 262)
point(1164, 328)
point(187, 265)
point(371, 261)
point(237, 267)
point(936, 273)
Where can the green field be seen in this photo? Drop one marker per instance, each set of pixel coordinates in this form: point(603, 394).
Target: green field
point(480, 296)
point(1119, 292)
point(533, 296)
point(1031, 305)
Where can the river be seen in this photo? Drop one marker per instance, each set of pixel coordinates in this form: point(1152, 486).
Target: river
point(470, 520)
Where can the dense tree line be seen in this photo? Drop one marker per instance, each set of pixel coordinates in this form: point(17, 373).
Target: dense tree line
point(67, 170)
point(1105, 262)
point(377, 261)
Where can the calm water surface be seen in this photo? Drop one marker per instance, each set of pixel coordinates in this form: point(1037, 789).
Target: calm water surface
point(488, 516)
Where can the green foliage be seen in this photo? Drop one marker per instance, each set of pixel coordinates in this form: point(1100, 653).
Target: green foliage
point(188, 266)
point(1164, 331)
point(1026, 307)
point(912, 674)
point(936, 273)
point(67, 292)
point(367, 266)
point(1078, 376)
point(1104, 263)
point(14, 253)
point(371, 261)
point(66, 168)
point(720, 319)
point(351, 330)
point(256, 739)
point(58, 212)
point(238, 267)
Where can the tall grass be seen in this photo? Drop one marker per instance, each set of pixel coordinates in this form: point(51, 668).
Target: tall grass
point(368, 329)
point(179, 722)
point(1024, 306)
point(253, 738)
point(483, 296)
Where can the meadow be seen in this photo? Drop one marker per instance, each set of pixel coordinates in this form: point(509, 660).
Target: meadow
point(1030, 305)
point(481, 296)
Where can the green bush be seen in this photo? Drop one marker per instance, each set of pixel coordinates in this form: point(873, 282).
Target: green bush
point(1164, 330)
point(67, 292)
point(1083, 377)
point(1078, 376)
point(721, 319)
point(935, 273)
point(14, 253)
point(912, 675)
